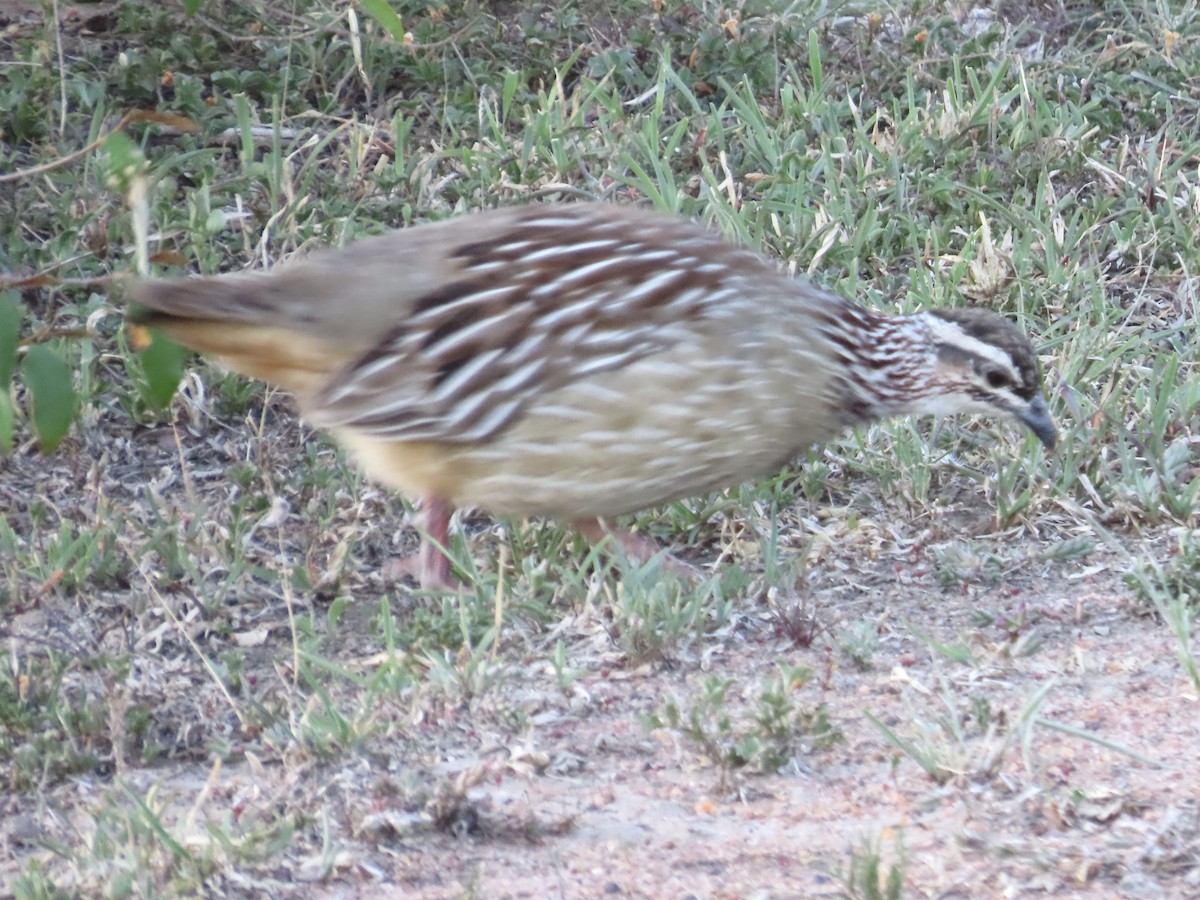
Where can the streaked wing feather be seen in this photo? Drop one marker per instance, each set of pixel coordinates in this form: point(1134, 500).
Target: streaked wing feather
point(550, 297)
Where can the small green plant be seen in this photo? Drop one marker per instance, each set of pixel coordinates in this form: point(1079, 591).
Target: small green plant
point(564, 675)
point(82, 554)
point(967, 562)
point(1173, 592)
point(1178, 579)
point(859, 642)
point(34, 883)
point(138, 849)
point(960, 653)
point(49, 726)
point(1016, 489)
point(764, 740)
point(1074, 549)
point(468, 673)
point(657, 615)
point(962, 742)
point(865, 875)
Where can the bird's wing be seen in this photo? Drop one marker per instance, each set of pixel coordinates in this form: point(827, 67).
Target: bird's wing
point(446, 332)
point(536, 299)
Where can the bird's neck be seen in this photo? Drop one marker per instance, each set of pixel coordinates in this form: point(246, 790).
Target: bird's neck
point(889, 362)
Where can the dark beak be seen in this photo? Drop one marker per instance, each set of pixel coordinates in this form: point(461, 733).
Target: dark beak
point(1037, 416)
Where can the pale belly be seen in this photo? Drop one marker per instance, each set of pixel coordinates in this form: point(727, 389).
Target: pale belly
point(618, 443)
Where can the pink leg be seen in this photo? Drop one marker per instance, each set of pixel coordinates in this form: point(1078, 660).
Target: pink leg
point(638, 549)
point(430, 566)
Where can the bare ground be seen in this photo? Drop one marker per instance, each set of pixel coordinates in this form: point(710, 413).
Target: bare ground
point(523, 783)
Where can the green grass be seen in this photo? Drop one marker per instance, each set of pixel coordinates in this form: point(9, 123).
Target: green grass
point(196, 584)
point(771, 734)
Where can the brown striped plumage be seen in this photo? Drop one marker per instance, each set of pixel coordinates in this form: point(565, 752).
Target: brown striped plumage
point(581, 361)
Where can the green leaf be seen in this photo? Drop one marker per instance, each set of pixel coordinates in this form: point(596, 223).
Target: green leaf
point(215, 222)
point(6, 422)
point(124, 161)
point(10, 323)
point(814, 59)
point(385, 16)
point(191, 7)
point(52, 392)
point(162, 361)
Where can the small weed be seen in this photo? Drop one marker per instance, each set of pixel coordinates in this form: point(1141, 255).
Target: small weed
point(1076, 549)
point(865, 876)
point(1016, 489)
point(448, 622)
point(1178, 580)
point(774, 731)
point(564, 675)
point(36, 884)
point(658, 616)
point(49, 725)
point(796, 620)
point(137, 850)
point(859, 643)
point(1173, 591)
point(468, 673)
point(784, 580)
point(966, 563)
point(962, 744)
point(960, 653)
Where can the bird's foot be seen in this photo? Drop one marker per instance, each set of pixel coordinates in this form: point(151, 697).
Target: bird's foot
point(430, 565)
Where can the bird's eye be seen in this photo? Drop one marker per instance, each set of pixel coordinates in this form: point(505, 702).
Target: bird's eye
point(996, 379)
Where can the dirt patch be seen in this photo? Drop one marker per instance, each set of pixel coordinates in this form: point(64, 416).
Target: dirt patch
point(542, 784)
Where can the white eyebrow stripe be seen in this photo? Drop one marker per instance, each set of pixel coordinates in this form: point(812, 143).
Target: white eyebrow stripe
point(952, 333)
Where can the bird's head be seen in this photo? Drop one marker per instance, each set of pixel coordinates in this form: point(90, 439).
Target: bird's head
point(983, 363)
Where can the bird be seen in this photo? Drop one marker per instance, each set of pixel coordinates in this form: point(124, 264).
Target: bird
point(581, 361)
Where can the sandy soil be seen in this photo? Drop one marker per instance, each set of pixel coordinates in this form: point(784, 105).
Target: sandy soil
point(538, 786)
